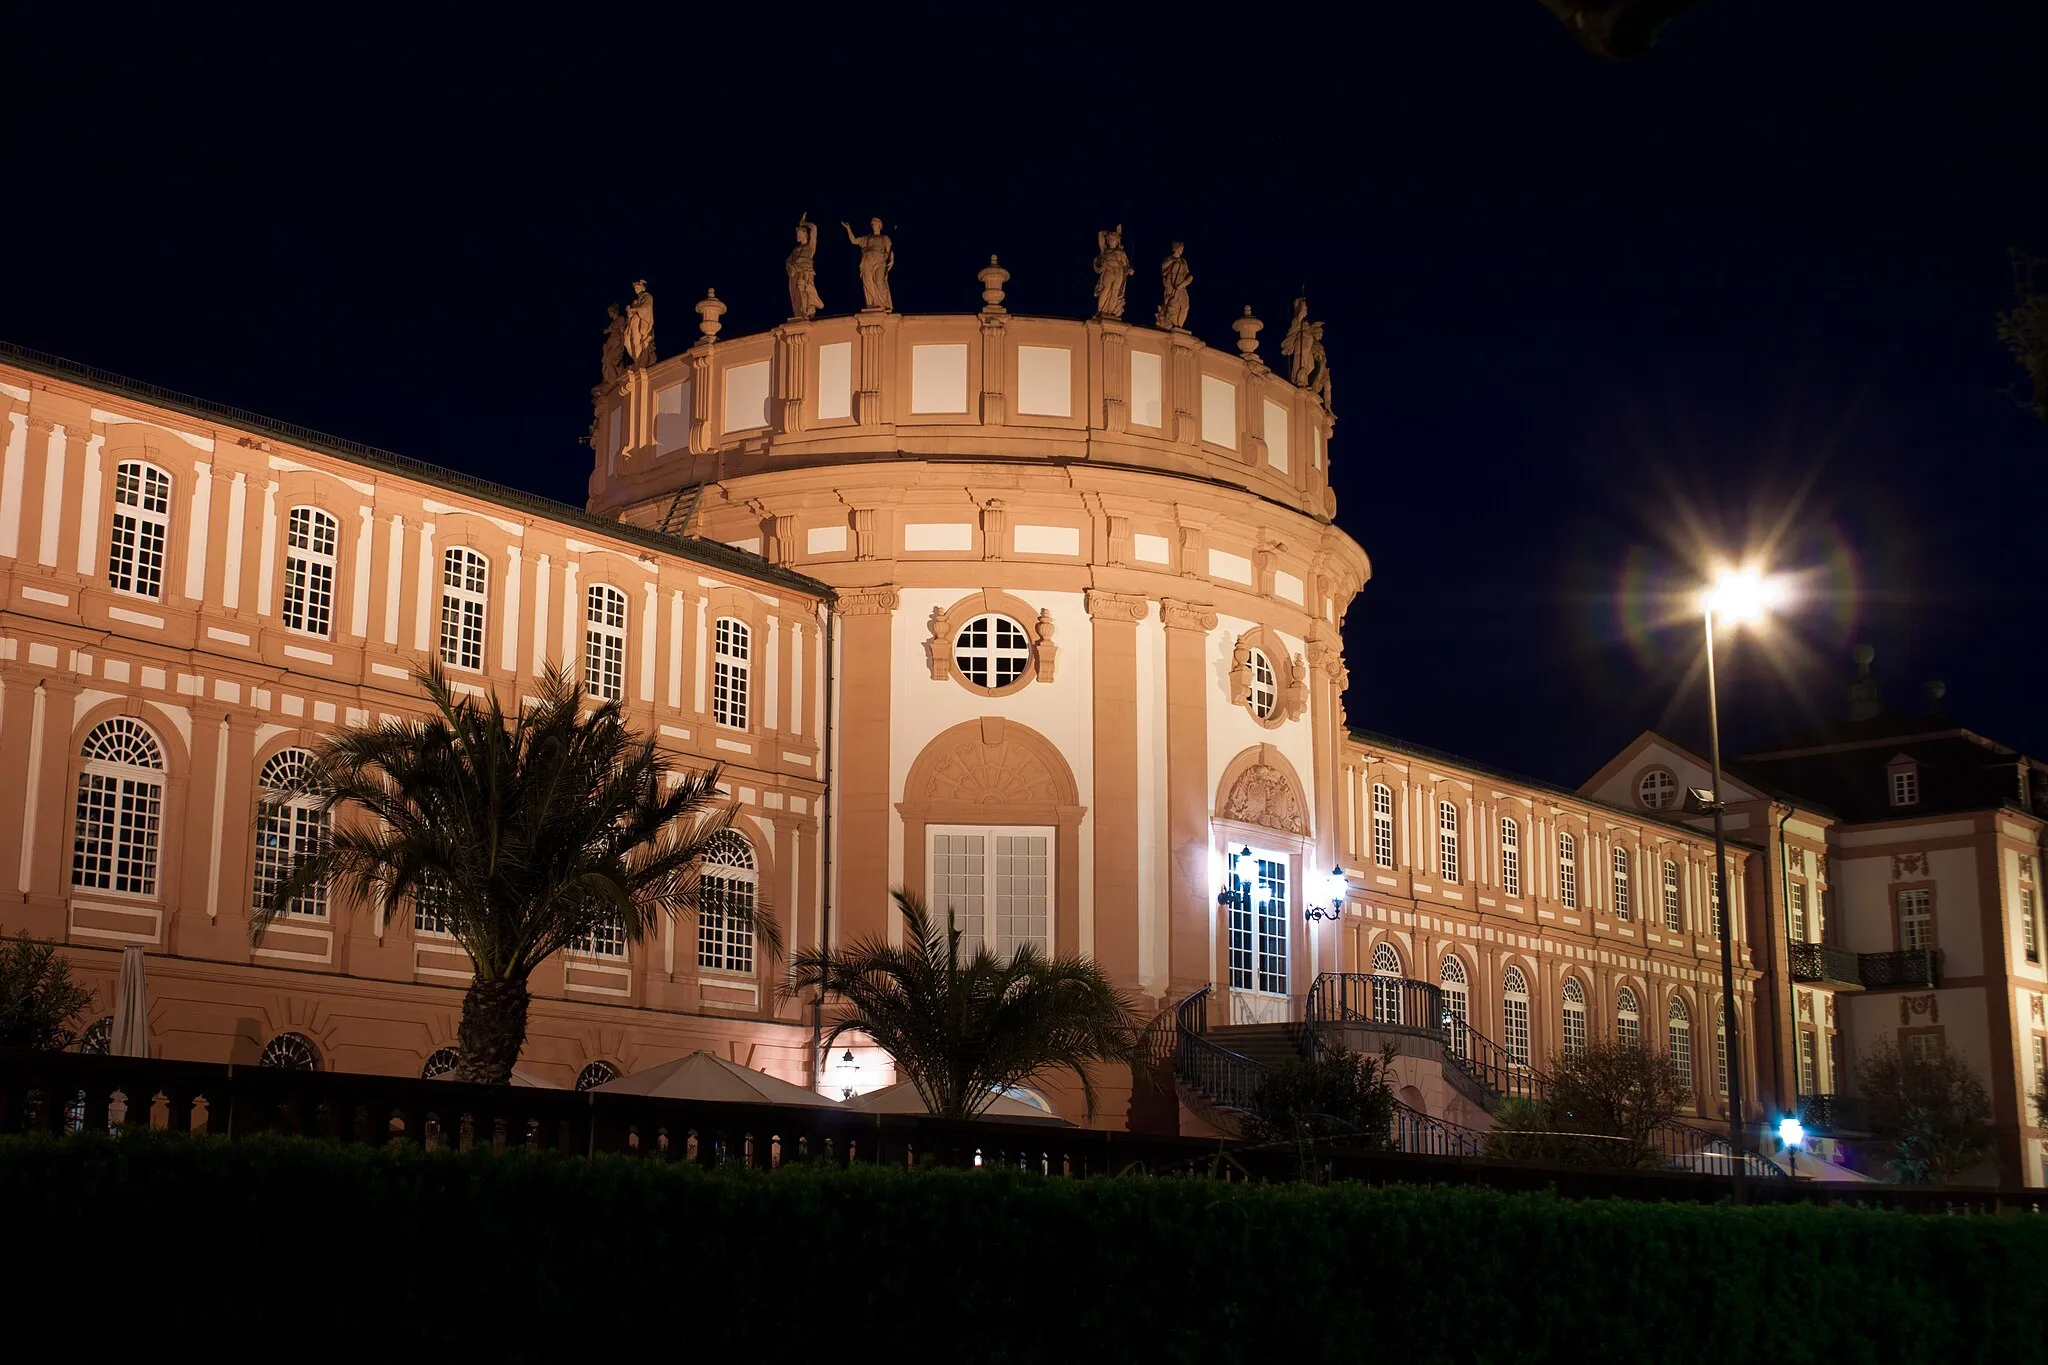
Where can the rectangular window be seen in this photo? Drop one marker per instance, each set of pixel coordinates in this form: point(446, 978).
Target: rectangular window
point(1447, 841)
point(1809, 1063)
point(142, 515)
point(1510, 858)
point(731, 667)
point(309, 571)
point(1681, 1050)
point(1621, 883)
point(114, 846)
point(1721, 1056)
point(1924, 1046)
point(430, 908)
point(1574, 1031)
point(2030, 925)
point(1905, 786)
point(607, 938)
point(604, 643)
point(2040, 1063)
point(1568, 871)
point(1258, 923)
point(464, 576)
point(1834, 1078)
point(287, 831)
point(1916, 921)
point(997, 884)
point(1714, 896)
point(1797, 912)
point(1672, 919)
point(1515, 1029)
point(1382, 826)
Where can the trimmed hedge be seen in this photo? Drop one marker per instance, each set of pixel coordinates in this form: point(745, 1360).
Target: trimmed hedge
point(305, 1250)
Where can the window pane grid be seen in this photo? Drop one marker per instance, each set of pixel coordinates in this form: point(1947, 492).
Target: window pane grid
point(1515, 1017)
point(1671, 915)
point(1680, 1020)
point(1447, 841)
point(142, 506)
point(1265, 689)
point(119, 813)
point(1621, 883)
point(289, 826)
point(1510, 858)
point(1628, 1019)
point(1382, 826)
point(604, 643)
point(309, 572)
point(725, 915)
point(991, 651)
point(731, 665)
point(1574, 1018)
point(1916, 921)
point(464, 575)
point(1568, 871)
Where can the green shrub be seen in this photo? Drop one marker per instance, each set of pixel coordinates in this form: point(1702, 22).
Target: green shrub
point(320, 1251)
point(39, 1002)
point(1339, 1095)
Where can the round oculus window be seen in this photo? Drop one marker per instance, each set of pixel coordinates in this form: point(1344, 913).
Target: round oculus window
point(1658, 789)
point(991, 651)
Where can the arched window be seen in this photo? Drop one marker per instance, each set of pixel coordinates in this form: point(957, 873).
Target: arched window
point(1574, 1017)
point(1265, 695)
point(1386, 985)
point(1382, 825)
point(1672, 920)
point(440, 1062)
point(1621, 910)
point(290, 1052)
point(1714, 899)
point(991, 651)
point(731, 665)
point(1720, 1053)
point(142, 520)
point(728, 895)
point(595, 1075)
point(604, 643)
point(1568, 871)
point(1628, 1019)
point(98, 1038)
point(1681, 1040)
point(465, 576)
point(1447, 840)
point(1510, 857)
point(1514, 1015)
point(1658, 789)
point(1452, 979)
point(290, 825)
point(309, 560)
point(120, 809)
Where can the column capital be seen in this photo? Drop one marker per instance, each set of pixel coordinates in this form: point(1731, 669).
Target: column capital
point(878, 601)
point(1116, 606)
point(1179, 615)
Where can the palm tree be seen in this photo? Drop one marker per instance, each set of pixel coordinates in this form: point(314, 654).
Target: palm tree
point(964, 1031)
point(524, 833)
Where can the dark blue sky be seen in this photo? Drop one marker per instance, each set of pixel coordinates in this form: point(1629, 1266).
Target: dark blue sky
point(1583, 318)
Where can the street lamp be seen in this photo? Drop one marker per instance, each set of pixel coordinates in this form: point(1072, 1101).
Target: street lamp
point(1737, 595)
point(1792, 1133)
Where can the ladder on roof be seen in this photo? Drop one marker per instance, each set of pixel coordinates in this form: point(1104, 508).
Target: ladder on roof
point(682, 511)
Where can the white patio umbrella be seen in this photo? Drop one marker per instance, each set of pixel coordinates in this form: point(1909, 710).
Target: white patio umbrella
point(902, 1098)
point(519, 1077)
point(701, 1076)
point(131, 1008)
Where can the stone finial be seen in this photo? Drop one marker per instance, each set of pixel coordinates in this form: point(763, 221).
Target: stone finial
point(993, 277)
point(708, 314)
point(1247, 329)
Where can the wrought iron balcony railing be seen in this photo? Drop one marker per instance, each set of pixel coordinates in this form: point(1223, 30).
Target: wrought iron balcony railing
point(1919, 968)
point(1824, 963)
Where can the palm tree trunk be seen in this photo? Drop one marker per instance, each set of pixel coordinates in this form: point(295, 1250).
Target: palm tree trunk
point(493, 1031)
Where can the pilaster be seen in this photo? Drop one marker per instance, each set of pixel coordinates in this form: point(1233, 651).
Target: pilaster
point(863, 778)
point(1114, 618)
point(1191, 897)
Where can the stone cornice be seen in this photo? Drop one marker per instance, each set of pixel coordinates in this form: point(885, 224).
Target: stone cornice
point(1116, 606)
point(1179, 615)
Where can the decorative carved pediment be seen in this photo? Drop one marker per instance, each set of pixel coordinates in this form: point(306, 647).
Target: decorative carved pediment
point(1263, 795)
point(988, 766)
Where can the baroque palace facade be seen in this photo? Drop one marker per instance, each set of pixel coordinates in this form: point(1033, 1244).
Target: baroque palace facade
point(1038, 618)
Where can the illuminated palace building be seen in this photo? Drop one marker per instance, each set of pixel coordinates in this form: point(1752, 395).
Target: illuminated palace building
point(1037, 618)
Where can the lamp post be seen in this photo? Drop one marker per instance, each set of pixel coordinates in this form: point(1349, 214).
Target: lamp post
point(1737, 595)
point(1792, 1133)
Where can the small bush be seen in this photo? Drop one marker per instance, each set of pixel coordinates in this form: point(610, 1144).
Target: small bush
point(39, 1002)
point(1341, 1096)
point(1929, 1112)
point(1605, 1107)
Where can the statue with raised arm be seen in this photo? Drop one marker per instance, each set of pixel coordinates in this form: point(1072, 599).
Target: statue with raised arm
point(614, 360)
point(877, 259)
point(1319, 367)
point(1112, 270)
point(1296, 346)
point(1174, 279)
point(802, 269)
point(640, 326)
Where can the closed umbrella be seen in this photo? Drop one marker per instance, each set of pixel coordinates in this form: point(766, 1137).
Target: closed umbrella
point(902, 1098)
point(131, 1007)
point(701, 1076)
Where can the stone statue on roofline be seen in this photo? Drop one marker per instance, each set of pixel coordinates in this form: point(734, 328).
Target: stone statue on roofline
point(802, 269)
point(1319, 367)
point(1295, 345)
point(1112, 271)
point(1174, 279)
point(877, 259)
point(614, 359)
point(640, 326)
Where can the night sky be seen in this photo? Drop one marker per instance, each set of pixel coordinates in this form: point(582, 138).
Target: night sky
point(1586, 321)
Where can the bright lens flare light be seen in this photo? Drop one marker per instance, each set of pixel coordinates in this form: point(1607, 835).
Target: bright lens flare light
point(1743, 594)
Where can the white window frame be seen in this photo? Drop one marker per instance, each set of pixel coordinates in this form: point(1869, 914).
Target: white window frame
point(604, 642)
point(1678, 1025)
point(979, 914)
point(1573, 997)
point(1905, 785)
point(429, 917)
point(1919, 919)
point(1382, 825)
point(1514, 1016)
point(311, 561)
point(729, 874)
point(1657, 789)
point(1628, 1018)
point(1265, 686)
point(465, 605)
point(1620, 862)
point(992, 651)
point(1386, 984)
point(1455, 983)
point(1510, 857)
point(290, 825)
point(1795, 911)
point(2030, 924)
point(1447, 863)
point(117, 840)
point(732, 673)
point(1567, 870)
point(1674, 917)
point(138, 542)
point(1258, 953)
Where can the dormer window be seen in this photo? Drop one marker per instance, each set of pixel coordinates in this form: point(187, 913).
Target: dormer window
point(1904, 776)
